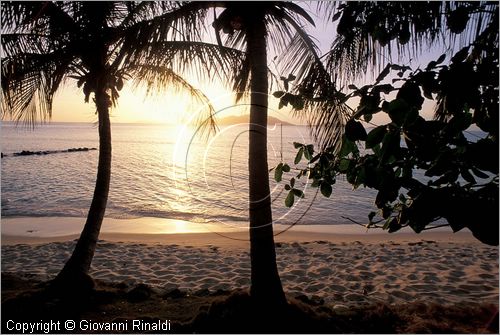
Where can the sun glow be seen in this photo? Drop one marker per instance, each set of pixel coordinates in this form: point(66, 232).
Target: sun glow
point(133, 106)
point(169, 107)
point(181, 227)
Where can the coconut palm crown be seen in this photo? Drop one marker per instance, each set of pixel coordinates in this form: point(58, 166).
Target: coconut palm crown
point(100, 45)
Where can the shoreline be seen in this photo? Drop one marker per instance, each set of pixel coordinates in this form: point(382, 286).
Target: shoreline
point(338, 271)
point(150, 230)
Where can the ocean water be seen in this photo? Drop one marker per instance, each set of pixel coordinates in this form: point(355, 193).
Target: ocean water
point(160, 171)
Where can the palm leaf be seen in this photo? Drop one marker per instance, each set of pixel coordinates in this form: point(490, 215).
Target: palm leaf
point(370, 33)
point(29, 83)
point(159, 79)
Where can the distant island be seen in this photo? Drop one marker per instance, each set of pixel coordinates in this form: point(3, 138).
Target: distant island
point(236, 119)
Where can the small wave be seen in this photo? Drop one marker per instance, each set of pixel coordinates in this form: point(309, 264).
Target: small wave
point(176, 215)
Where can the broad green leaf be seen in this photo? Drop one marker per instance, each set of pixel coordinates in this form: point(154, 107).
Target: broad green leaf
point(394, 226)
point(292, 182)
point(390, 147)
point(298, 157)
point(360, 176)
point(385, 106)
point(410, 93)
point(441, 59)
point(287, 187)
point(315, 158)
point(461, 121)
point(326, 189)
point(286, 168)
point(290, 198)
point(431, 65)
point(347, 147)
point(297, 145)
point(278, 173)
point(298, 193)
point(398, 110)
point(386, 224)
point(278, 94)
point(309, 151)
point(398, 172)
point(468, 176)
point(460, 56)
point(344, 164)
point(384, 73)
point(337, 15)
point(297, 103)
point(285, 84)
point(386, 88)
point(354, 131)
point(375, 136)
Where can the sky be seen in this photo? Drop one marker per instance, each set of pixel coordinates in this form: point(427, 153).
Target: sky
point(174, 108)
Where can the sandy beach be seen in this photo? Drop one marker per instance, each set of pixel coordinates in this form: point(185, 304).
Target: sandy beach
point(339, 269)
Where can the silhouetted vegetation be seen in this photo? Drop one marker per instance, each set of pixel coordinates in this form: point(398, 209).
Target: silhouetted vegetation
point(100, 45)
point(460, 174)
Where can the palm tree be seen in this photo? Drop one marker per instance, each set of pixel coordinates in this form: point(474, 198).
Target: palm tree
point(252, 26)
point(99, 44)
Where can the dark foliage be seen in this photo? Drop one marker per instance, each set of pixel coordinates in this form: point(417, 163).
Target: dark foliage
point(460, 175)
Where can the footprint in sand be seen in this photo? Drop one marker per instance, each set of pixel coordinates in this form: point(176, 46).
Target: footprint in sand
point(486, 276)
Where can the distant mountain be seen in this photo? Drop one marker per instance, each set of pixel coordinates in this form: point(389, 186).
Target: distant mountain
point(230, 120)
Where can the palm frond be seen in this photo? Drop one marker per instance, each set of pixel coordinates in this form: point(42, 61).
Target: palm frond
point(370, 33)
point(204, 60)
point(296, 10)
point(242, 79)
point(323, 108)
point(134, 13)
point(180, 21)
point(29, 82)
point(19, 43)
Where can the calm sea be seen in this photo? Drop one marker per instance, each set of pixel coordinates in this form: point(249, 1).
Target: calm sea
point(159, 171)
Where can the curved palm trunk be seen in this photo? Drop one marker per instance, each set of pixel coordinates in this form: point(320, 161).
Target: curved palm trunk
point(265, 281)
point(75, 271)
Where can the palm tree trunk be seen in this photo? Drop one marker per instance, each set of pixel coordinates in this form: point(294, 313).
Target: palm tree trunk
point(265, 281)
point(77, 267)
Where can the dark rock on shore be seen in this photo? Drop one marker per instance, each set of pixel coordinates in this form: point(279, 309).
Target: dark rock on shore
point(47, 152)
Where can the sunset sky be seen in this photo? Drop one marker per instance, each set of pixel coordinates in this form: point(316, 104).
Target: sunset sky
point(174, 108)
point(135, 107)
